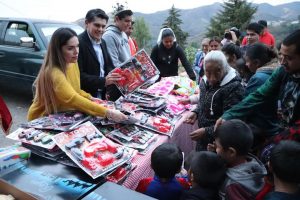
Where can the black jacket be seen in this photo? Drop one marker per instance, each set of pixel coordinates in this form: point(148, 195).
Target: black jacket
point(214, 101)
point(166, 60)
point(89, 68)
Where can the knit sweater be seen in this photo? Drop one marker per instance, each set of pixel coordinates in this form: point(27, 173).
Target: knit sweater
point(68, 95)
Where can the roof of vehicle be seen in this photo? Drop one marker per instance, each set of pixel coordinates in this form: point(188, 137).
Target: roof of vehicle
point(33, 20)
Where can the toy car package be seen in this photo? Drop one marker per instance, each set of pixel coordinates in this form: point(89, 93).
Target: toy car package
point(32, 136)
point(132, 136)
point(92, 151)
point(60, 121)
point(158, 124)
point(135, 72)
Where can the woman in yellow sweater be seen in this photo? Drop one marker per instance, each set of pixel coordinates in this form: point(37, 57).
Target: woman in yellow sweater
point(58, 82)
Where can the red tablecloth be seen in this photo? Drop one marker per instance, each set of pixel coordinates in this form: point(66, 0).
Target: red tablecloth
point(180, 137)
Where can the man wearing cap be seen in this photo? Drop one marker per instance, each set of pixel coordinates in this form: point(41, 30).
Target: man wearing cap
point(93, 59)
point(116, 39)
point(266, 37)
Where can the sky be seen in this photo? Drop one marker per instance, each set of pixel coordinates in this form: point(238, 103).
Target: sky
point(71, 10)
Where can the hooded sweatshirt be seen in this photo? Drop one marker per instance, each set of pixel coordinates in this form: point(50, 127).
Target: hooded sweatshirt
point(214, 101)
point(244, 181)
point(117, 45)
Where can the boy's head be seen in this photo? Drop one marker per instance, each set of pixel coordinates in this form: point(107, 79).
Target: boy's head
point(207, 169)
point(285, 161)
point(166, 160)
point(233, 138)
point(253, 32)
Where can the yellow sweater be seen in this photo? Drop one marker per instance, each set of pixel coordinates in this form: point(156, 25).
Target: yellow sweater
point(68, 94)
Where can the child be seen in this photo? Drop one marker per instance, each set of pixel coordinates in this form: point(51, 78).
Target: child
point(166, 161)
point(206, 173)
point(285, 164)
point(245, 173)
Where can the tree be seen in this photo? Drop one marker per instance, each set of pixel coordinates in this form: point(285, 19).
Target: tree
point(235, 13)
point(141, 33)
point(173, 21)
point(190, 52)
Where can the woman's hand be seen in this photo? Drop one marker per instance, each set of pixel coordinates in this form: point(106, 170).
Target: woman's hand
point(184, 101)
point(191, 118)
point(197, 134)
point(116, 115)
point(112, 78)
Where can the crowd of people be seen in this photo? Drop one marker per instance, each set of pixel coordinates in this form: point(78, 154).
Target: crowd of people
point(248, 107)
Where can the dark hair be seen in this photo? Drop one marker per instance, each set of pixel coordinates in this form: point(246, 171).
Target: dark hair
point(236, 134)
point(243, 70)
point(285, 161)
point(59, 38)
point(257, 28)
point(293, 39)
point(167, 33)
point(262, 22)
point(123, 13)
point(91, 14)
point(166, 160)
point(232, 49)
point(208, 169)
point(261, 52)
point(215, 38)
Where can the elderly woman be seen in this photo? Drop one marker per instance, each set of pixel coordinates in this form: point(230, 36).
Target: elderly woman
point(166, 53)
point(220, 89)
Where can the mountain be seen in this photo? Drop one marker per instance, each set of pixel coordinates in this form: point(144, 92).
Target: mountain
point(196, 20)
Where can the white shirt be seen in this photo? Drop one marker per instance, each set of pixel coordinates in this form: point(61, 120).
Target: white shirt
point(99, 54)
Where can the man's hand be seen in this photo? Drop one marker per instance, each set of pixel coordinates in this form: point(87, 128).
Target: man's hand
point(112, 78)
point(191, 118)
point(197, 134)
point(211, 147)
point(218, 123)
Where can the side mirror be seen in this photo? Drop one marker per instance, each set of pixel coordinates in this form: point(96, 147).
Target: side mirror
point(26, 42)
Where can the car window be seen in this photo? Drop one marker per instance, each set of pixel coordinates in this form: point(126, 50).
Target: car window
point(15, 31)
point(47, 29)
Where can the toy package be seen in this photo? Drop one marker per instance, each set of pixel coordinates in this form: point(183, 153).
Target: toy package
point(32, 136)
point(175, 107)
point(163, 87)
point(158, 124)
point(177, 85)
point(60, 121)
point(142, 101)
point(120, 174)
point(10, 156)
point(92, 151)
point(134, 137)
point(136, 72)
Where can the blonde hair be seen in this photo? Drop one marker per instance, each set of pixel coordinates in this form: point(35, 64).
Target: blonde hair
point(54, 58)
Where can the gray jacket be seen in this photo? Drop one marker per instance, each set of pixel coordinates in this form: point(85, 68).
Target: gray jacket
point(117, 45)
point(244, 181)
